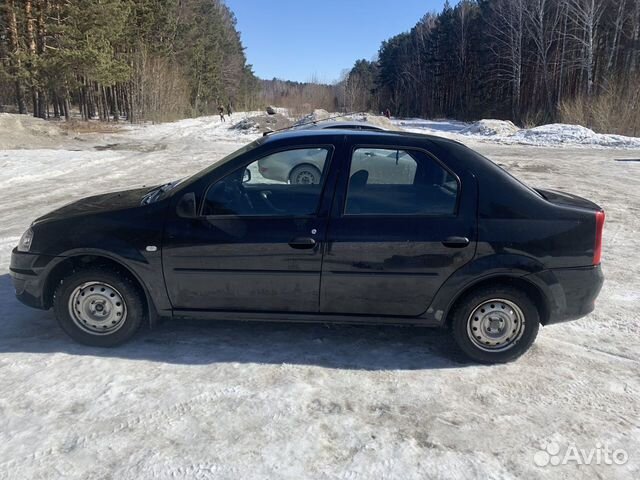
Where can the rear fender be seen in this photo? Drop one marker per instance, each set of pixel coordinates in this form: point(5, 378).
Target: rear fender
point(484, 269)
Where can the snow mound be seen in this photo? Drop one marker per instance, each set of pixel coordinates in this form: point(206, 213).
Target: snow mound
point(263, 123)
point(190, 131)
point(563, 134)
point(377, 120)
point(551, 135)
point(24, 131)
point(557, 133)
point(491, 127)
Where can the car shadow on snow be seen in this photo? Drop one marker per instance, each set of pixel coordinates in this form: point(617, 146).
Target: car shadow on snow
point(198, 342)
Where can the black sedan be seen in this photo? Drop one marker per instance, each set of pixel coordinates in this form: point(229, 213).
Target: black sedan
point(397, 228)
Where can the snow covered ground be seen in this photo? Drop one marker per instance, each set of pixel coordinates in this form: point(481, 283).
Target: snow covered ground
point(194, 400)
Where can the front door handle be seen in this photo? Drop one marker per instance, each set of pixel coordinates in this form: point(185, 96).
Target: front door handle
point(302, 243)
point(455, 242)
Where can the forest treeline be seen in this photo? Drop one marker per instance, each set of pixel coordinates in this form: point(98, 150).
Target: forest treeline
point(531, 61)
point(302, 97)
point(122, 59)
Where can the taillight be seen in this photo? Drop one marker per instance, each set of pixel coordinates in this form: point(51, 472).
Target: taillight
point(597, 250)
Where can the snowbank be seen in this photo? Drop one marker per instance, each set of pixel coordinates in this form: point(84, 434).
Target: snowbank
point(263, 123)
point(490, 127)
point(377, 120)
point(502, 131)
point(24, 131)
point(207, 130)
point(556, 134)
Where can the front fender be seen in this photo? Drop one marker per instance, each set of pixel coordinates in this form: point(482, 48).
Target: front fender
point(146, 269)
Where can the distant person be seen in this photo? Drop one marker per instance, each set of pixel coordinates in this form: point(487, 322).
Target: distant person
point(387, 113)
point(229, 112)
point(221, 112)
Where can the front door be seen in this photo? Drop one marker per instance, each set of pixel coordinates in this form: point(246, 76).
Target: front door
point(401, 225)
point(257, 245)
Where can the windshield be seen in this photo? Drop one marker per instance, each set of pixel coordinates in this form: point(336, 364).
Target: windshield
point(163, 191)
point(228, 158)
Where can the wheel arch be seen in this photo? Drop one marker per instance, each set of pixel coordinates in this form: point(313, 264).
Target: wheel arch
point(504, 280)
point(79, 261)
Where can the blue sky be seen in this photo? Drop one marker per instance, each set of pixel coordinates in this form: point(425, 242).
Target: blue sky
point(295, 39)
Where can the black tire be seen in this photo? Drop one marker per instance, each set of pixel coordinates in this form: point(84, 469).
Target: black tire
point(302, 172)
point(463, 325)
point(132, 306)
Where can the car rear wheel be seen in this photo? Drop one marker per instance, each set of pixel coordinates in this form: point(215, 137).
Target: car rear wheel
point(495, 325)
point(98, 307)
point(304, 175)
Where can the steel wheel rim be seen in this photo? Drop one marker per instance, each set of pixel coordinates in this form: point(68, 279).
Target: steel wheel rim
point(305, 177)
point(496, 325)
point(97, 308)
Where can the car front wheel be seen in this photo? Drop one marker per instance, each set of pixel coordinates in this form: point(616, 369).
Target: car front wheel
point(495, 325)
point(98, 307)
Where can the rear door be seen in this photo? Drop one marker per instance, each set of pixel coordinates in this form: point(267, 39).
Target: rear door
point(401, 224)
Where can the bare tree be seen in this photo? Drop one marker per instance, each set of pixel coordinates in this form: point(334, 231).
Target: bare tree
point(634, 52)
point(542, 20)
point(617, 32)
point(507, 32)
point(586, 15)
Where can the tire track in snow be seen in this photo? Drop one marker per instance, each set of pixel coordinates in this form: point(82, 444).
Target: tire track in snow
point(155, 417)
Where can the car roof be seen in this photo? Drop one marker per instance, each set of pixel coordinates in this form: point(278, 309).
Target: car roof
point(363, 134)
point(328, 124)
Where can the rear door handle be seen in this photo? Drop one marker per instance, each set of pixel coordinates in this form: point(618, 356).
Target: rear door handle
point(302, 243)
point(455, 242)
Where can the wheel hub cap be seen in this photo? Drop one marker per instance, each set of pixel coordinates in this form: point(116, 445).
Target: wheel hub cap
point(306, 178)
point(496, 325)
point(97, 308)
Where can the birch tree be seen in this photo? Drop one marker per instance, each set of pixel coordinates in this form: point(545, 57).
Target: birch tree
point(506, 30)
point(586, 15)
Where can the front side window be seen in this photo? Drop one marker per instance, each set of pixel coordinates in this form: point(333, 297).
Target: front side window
point(384, 181)
point(285, 183)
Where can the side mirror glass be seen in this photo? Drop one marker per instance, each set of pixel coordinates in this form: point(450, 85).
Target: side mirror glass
point(187, 206)
point(246, 176)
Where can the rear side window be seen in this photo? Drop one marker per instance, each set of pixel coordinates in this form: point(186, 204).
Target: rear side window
point(386, 181)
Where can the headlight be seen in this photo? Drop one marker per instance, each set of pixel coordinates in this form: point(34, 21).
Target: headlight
point(24, 245)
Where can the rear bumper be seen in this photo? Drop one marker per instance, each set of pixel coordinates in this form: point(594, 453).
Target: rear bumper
point(27, 271)
point(571, 292)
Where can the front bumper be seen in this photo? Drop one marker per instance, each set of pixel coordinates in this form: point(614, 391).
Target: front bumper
point(27, 271)
point(571, 292)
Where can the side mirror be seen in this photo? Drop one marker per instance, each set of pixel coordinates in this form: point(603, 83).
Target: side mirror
point(187, 206)
point(246, 176)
